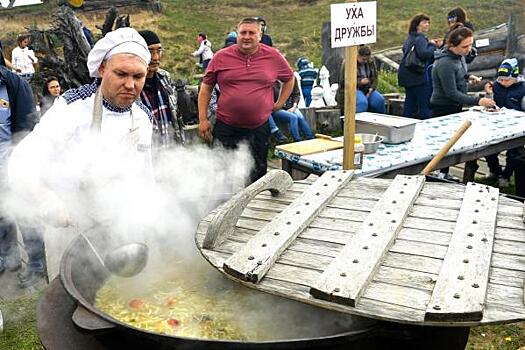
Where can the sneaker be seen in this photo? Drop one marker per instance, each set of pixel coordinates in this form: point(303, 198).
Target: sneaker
point(27, 278)
point(448, 177)
point(503, 182)
point(279, 137)
point(12, 263)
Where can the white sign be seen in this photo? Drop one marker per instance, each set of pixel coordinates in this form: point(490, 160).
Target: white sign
point(353, 23)
point(482, 42)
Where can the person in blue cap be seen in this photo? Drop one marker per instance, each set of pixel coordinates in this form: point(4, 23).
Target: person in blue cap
point(508, 91)
point(308, 76)
point(231, 39)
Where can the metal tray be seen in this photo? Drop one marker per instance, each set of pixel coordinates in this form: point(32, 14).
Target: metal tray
point(394, 129)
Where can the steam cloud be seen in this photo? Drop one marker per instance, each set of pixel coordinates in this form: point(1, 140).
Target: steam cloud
point(107, 186)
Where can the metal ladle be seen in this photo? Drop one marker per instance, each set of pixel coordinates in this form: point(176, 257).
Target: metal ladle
point(125, 261)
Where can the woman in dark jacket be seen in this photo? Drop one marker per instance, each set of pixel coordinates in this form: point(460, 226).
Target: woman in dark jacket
point(50, 92)
point(418, 88)
point(450, 76)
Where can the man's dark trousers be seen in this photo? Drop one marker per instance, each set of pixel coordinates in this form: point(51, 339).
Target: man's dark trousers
point(258, 140)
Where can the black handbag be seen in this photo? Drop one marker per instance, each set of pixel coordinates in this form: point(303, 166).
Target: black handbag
point(413, 63)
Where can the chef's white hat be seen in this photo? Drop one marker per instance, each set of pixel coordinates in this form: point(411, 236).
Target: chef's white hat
point(122, 40)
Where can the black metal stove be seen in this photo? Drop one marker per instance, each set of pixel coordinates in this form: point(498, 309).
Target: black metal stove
point(55, 326)
point(58, 332)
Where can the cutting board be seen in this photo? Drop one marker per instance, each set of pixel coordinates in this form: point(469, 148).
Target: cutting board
point(317, 145)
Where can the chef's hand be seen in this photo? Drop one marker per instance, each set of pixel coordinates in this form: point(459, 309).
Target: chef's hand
point(205, 131)
point(56, 214)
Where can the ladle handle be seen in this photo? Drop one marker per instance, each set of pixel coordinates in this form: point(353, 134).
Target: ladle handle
point(223, 223)
point(99, 258)
point(443, 151)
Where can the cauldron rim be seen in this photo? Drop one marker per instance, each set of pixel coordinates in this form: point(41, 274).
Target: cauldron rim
point(71, 289)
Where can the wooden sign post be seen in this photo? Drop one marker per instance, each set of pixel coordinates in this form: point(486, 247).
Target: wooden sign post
point(352, 24)
point(350, 106)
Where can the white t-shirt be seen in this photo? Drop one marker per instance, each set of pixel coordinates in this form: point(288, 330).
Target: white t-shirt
point(23, 59)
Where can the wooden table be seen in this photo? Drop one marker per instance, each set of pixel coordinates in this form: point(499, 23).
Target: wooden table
point(489, 134)
point(440, 255)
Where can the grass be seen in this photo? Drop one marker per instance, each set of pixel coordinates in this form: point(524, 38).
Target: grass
point(497, 337)
point(508, 190)
point(20, 324)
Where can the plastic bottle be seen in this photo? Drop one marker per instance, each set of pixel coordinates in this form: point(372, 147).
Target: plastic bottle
point(359, 150)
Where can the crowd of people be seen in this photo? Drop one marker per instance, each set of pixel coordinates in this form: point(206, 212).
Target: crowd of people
point(247, 86)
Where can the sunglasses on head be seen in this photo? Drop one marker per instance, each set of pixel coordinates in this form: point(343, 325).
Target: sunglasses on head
point(452, 18)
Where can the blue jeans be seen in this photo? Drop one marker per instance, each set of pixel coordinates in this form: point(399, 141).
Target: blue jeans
point(273, 126)
point(33, 243)
point(205, 64)
point(418, 95)
point(34, 246)
point(374, 103)
point(297, 123)
point(9, 252)
point(307, 94)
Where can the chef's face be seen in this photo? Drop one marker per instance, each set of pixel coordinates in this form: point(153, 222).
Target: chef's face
point(123, 77)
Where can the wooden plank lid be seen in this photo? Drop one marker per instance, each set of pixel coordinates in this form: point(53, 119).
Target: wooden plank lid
point(459, 248)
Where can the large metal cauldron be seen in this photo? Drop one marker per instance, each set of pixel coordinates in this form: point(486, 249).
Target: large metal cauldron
point(82, 276)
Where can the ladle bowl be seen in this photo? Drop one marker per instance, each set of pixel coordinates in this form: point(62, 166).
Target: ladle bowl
point(127, 260)
point(124, 261)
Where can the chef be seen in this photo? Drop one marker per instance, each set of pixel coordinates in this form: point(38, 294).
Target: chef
point(92, 132)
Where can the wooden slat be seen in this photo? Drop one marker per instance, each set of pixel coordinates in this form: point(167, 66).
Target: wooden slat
point(381, 310)
point(253, 260)
point(413, 262)
point(509, 278)
point(508, 262)
point(461, 287)
point(348, 276)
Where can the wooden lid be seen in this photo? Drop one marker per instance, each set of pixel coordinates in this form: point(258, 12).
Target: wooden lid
point(401, 250)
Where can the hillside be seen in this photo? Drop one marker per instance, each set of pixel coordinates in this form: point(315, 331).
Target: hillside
point(293, 24)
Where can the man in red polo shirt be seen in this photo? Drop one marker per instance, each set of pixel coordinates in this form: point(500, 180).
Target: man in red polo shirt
point(246, 73)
